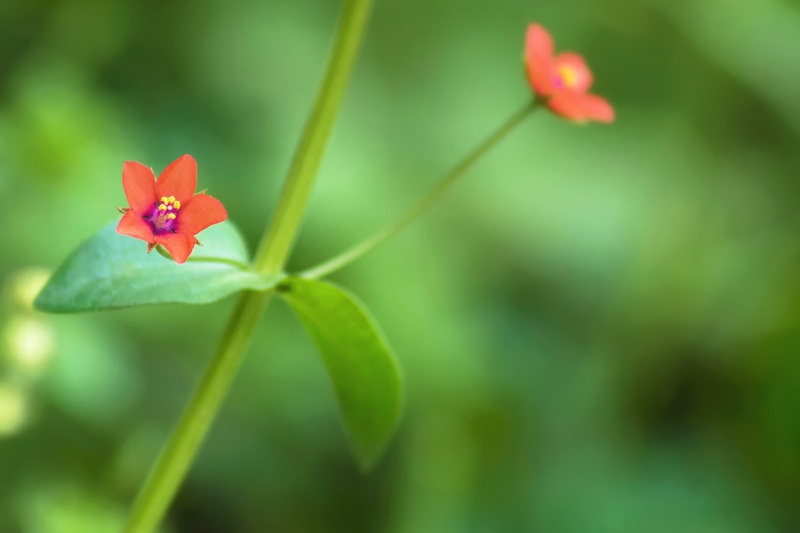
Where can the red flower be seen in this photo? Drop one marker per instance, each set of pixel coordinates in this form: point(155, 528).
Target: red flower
point(166, 211)
point(562, 80)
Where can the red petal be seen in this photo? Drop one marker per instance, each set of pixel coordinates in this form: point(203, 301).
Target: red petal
point(597, 108)
point(540, 75)
point(538, 59)
point(199, 213)
point(581, 107)
point(131, 224)
point(179, 179)
point(179, 246)
point(138, 182)
point(582, 76)
point(538, 41)
point(568, 104)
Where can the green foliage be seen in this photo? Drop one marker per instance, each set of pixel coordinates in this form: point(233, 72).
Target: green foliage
point(111, 271)
point(362, 367)
point(602, 319)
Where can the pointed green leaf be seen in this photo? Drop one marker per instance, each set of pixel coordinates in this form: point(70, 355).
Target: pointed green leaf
point(110, 271)
point(366, 376)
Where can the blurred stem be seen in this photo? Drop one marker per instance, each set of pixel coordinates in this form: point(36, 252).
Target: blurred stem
point(350, 255)
point(170, 468)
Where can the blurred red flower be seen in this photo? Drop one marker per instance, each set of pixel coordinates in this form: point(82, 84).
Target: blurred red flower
point(166, 211)
point(562, 80)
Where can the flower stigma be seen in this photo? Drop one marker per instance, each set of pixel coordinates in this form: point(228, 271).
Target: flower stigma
point(164, 216)
point(565, 77)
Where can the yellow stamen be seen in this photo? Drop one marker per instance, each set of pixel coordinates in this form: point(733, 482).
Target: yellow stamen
point(162, 207)
point(568, 76)
point(163, 199)
point(172, 216)
point(177, 204)
point(171, 199)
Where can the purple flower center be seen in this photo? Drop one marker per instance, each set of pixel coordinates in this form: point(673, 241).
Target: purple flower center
point(163, 217)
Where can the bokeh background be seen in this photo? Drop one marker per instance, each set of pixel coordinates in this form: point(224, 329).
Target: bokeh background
point(600, 325)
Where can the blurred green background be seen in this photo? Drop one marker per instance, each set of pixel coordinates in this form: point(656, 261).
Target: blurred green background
point(599, 325)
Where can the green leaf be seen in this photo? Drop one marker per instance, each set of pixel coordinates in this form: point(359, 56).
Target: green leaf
point(366, 376)
point(110, 271)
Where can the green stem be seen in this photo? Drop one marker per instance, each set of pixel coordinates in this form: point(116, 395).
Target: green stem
point(351, 254)
point(170, 468)
point(278, 240)
point(221, 260)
